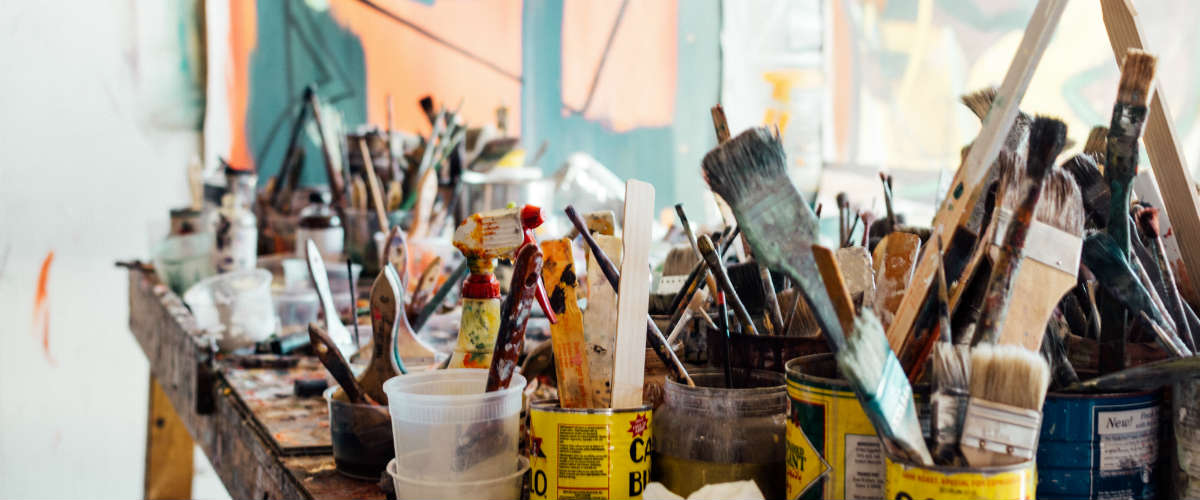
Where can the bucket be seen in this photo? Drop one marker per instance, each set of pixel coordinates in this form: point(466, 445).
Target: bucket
point(1099, 445)
point(713, 434)
point(361, 435)
point(1007, 482)
point(832, 449)
point(463, 433)
point(589, 453)
point(1185, 420)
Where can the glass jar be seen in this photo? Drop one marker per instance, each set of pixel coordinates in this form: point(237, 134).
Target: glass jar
point(713, 434)
point(235, 226)
point(321, 224)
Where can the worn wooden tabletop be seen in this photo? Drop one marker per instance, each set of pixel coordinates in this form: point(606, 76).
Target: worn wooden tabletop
point(262, 442)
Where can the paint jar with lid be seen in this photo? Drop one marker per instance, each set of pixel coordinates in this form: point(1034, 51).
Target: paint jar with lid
point(318, 222)
point(711, 433)
point(235, 226)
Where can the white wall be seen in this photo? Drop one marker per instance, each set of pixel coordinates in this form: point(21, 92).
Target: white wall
point(83, 171)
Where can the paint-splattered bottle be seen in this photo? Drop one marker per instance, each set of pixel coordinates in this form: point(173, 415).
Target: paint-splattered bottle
point(236, 227)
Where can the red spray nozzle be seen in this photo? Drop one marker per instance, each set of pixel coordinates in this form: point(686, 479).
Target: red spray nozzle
point(533, 216)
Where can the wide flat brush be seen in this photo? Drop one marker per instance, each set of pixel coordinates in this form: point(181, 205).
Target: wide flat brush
point(749, 173)
point(951, 375)
point(1003, 419)
point(1046, 136)
point(1121, 157)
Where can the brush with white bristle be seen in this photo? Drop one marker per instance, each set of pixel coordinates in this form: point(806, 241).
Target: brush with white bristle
point(951, 374)
point(1003, 420)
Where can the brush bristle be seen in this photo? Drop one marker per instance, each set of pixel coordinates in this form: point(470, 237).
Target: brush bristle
point(746, 166)
point(1061, 204)
point(951, 369)
point(1097, 143)
point(1010, 375)
point(1092, 187)
point(680, 261)
point(980, 101)
point(1148, 222)
point(1137, 73)
point(1046, 138)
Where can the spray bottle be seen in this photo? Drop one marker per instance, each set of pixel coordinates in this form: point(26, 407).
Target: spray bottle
point(483, 238)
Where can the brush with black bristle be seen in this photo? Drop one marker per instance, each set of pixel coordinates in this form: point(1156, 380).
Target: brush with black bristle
point(1046, 136)
point(1092, 186)
point(1004, 415)
point(1054, 349)
point(749, 172)
point(1121, 154)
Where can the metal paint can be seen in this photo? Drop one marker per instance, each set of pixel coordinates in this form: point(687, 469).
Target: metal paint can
point(1008, 482)
point(832, 449)
point(1185, 422)
point(1099, 445)
point(589, 453)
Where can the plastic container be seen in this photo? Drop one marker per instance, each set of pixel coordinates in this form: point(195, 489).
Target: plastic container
point(291, 273)
point(295, 307)
point(361, 436)
point(461, 432)
point(711, 434)
point(237, 306)
point(183, 261)
point(505, 487)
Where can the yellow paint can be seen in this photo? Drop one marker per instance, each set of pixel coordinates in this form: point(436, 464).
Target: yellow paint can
point(589, 453)
point(832, 449)
point(916, 482)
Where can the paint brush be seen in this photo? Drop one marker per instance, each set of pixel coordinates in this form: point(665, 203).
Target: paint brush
point(387, 305)
point(715, 266)
point(894, 260)
point(395, 252)
point(331, 356)
point(425, 286)
point(1004, 415)
point(334, 328)
point(368, 164)
point(514, 315)
point(1097, 144)
point(406, 348)
point(1121, 155)
point(697, 277)
point(1148, 223)
point(1054, 349)
point(749, 173)
point(1139, 378)
point(285, 170)
point(695, 308)
point(333, 162)
point(566, 335)
point(1092, 187)
point(657, 341)
point(1046, 136)
point(951, 375)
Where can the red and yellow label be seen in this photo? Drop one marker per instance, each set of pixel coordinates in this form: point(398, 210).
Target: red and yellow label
point(580, 455)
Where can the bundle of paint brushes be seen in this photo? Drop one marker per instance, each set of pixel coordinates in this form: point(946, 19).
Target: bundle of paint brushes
point(1052, 271)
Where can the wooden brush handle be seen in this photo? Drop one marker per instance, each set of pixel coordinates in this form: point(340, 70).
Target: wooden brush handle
point(720, 124)
point(835, 284)
point(658, 341)
point(514, 314)
point(373, 184)
point(395, 252)
point(329, 355)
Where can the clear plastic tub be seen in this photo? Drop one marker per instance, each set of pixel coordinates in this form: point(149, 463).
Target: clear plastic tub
point(361, 436)
point(461, 432)
point(237, 306)
point(505, 487)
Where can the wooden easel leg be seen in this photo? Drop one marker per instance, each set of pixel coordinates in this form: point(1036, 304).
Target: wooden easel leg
point(168, 450)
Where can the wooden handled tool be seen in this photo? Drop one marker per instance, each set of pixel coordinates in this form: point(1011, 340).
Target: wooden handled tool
point(373, 184)
point(718, 272)
point(514, 314)
point(333, 360)
point(633, 297)
point(386, 307)
point(566, 335)
point(333, 324)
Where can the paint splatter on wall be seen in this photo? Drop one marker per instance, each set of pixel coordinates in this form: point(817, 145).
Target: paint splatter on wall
point(41, 307)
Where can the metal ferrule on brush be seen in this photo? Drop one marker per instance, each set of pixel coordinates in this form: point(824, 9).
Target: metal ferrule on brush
point(998, 433)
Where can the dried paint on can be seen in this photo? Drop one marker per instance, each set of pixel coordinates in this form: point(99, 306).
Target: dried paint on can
point(1099, 445)
point(1185, 423)
point(832, 448)
point(589, 453)
point(911, 481)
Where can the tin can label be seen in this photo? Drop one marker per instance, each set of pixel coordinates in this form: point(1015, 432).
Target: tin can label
point(832, 448)
point(1128, 439)
point(578, 455)
point(914, 483)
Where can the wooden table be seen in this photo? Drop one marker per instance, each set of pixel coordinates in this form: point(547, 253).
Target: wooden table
point(191, 390)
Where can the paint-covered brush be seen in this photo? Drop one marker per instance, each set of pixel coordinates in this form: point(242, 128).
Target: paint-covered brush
point(386, 307)
point(510, 339)
point(1121, 156)
point(1046, 136)
point(1139, 378)
point(1054, 349)
point(749, 173)
point(697, 278)
point(334, 328)
point(1148, 222)
point(894, 259)
point(1097, 144)
point(566, 335)
point(331, 357)
point(375, 190)
point(1004, 415)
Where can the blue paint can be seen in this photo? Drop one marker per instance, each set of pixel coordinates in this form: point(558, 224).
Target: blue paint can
point(1099, 446)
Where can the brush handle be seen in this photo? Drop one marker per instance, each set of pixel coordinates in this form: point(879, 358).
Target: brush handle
point(373, 184)
point(514, 315)
point(720, 124)
point(337, 184)
point(387, 304)
point(395, 252)
point(657, 341)
point(333, 360)
point(298, 125)
point(699, 273)
point(718, 272)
